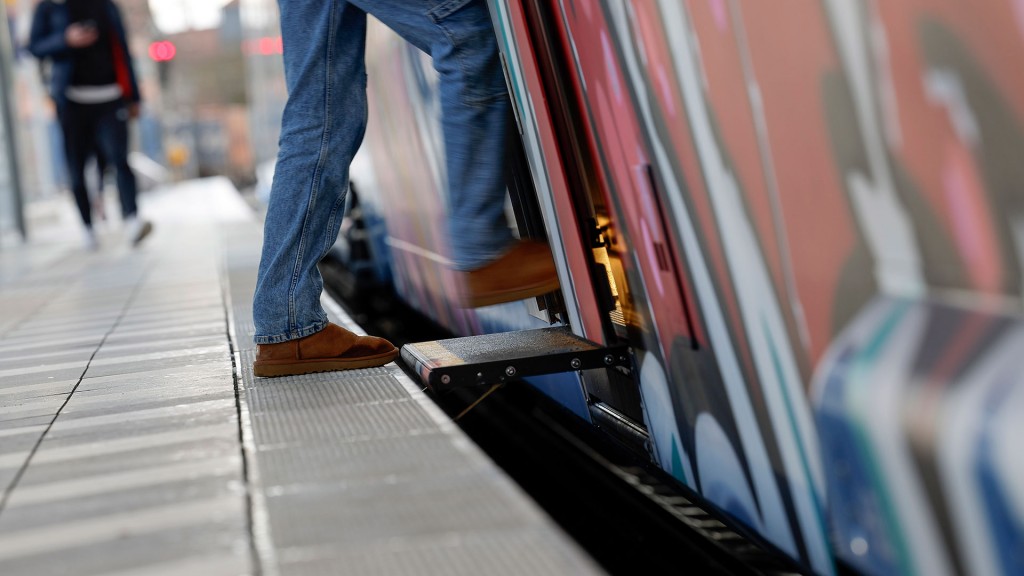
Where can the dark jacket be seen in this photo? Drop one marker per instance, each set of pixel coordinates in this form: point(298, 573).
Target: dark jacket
point(46, 40)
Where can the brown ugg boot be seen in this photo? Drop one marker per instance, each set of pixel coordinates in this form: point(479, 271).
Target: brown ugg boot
point(525, 271)
point(332, 348)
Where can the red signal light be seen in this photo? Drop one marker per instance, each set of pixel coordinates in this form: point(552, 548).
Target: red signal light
point(270, 45)
point(162, 51)
point(263, 46)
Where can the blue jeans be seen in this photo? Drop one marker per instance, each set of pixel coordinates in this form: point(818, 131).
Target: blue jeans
point(323, 126)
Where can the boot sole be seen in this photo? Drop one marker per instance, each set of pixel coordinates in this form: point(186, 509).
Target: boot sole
point(492, 298)
point(295, 368)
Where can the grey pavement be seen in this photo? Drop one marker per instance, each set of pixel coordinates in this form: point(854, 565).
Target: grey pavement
point(135, 440)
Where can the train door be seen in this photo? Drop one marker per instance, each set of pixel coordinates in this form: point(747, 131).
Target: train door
point(624, 284)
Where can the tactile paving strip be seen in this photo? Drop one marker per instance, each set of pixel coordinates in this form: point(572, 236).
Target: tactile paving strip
point(358, 472)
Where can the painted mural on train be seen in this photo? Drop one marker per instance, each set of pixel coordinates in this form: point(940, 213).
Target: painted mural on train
point(831, 170)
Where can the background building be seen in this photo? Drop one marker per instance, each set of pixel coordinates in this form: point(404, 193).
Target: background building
point(205, 99)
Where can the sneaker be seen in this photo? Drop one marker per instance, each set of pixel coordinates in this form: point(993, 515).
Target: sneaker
point(137, 230)
point(525, 271)
point(333, 348)
point(89, 240)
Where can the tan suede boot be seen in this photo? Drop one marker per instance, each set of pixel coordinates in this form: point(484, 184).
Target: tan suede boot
point(333, 348)
point(525, 271)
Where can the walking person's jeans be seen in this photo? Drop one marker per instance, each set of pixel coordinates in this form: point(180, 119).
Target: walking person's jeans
point(323, 126)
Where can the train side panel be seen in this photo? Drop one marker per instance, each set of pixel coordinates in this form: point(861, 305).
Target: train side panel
point(843, 203)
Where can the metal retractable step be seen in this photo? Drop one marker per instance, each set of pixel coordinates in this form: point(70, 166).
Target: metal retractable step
point(496, 358)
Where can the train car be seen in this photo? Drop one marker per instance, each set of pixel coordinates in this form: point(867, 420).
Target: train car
point(806, 221)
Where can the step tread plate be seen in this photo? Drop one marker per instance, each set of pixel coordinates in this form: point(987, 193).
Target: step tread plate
point(494, 358)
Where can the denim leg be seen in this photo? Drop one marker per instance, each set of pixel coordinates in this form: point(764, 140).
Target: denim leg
point(459, 36)
point(112, 141)
point(475, 116)
point(321, 129)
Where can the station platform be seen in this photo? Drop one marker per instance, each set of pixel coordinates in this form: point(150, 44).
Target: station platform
point(134, 438)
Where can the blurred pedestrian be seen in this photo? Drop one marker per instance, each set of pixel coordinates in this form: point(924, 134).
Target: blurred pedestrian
point(92, 83)
point(321, 130)
point(95, 192)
